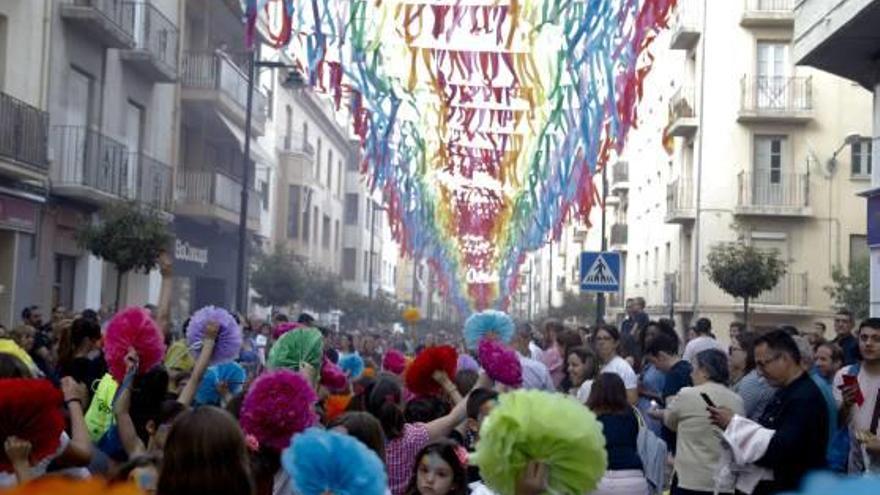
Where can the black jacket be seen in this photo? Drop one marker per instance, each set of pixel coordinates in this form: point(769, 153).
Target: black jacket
point(798, 414)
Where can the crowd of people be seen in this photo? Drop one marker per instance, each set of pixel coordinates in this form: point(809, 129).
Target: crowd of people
point(138, 401)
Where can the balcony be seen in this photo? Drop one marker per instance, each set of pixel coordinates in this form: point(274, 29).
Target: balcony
point(89, 166)
point(677, 288)
point(24, 132)
point(618, 239)
point(790, 291)
point(619, 177)
point(773, 193)
point(295, 143)
point(110, 22)
point(682, 114)
point(680, 202)
point(211, 195)
point(153, 185)
point(686, 25)
point(768, 13)
point(215, 81)
point(156, 38)
point(781, 100)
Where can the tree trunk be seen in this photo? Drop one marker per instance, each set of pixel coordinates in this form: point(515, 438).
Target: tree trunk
point(119, 275)
point(746, 313)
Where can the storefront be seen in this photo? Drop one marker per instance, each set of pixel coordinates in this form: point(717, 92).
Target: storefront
point(204, 267)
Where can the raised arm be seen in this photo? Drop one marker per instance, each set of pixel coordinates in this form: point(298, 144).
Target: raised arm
point(79, 450)
point(127, 432)
point(208, 341)
point(163, 311)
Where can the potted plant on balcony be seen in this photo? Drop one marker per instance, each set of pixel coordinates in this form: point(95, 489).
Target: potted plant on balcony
point(129, 235)
point(744, 271)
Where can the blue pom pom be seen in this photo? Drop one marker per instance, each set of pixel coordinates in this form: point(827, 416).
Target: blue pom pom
point(826, 483)
point(352, 364)
point(489, 321)
point(320, 461)
point(231, 373)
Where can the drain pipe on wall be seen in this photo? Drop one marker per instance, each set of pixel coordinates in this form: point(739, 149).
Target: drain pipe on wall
point(699, 183)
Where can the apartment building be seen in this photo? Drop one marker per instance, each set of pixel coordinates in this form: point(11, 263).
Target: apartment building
point(735, 143)
point(842, 38)
point(85, 113)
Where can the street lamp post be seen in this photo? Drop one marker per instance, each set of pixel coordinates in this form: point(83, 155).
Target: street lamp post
point(600, 297)
point(241, 280)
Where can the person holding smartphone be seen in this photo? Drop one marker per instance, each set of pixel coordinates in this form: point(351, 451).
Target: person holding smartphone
point(698, 446)
point(856, 389)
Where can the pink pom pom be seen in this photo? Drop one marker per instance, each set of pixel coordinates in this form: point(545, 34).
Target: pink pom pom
point(333, 377)
point(132, 327)
point(282, 328)
point(500, 362)
point(278, 405)
point(394, 361)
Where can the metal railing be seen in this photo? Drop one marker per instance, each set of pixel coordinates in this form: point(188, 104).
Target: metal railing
point(217, 71)
point(679, 196)
point(153, 181)
point(156, 34)
point(682, 104)
point(769, 5)
point(295, 143)
point(774, 188)
point(620, 172)
point(677, 287)
point(619, 234)
point(24, 132)
point(790, 291)
point(84, 157)
point(118, 12)
point(215, 189)
point(776, 94)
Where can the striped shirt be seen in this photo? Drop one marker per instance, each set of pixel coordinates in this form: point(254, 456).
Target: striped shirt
point(400, 455)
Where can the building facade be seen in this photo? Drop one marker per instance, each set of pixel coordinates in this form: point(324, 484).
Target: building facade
point(734, 144)
point(842, 39)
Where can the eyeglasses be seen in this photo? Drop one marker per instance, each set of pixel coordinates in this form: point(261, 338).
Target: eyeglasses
point(764, 364)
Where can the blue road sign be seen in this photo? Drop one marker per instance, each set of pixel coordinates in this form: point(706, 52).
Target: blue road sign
point(600, 272)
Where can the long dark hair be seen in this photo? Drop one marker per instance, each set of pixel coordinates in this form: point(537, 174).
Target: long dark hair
point(446, 450)
point(205, 453)
point(590, 360)
point(384, 404)
point(365, 428)
point(608, 395)
point(72, 336)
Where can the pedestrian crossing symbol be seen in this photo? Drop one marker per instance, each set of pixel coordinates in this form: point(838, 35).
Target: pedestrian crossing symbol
point(600, 272)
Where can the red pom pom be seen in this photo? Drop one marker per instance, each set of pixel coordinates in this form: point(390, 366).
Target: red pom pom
point(418, 375)
point(30, 409)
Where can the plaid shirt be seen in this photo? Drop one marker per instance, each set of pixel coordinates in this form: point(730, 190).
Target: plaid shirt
point(400, 455)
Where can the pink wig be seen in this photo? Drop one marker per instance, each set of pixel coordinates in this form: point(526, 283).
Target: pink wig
point(132, 327)
point(282, 328)
point(394, 361)
point(278, 405)
point(333, 377)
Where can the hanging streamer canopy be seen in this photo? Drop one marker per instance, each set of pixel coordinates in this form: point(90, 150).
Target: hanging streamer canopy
point(482, 122)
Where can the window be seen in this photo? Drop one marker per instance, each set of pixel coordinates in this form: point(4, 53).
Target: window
point(339, 179)
point(656, 262)
point(329, 168)
point(858, 247)
point(288, 128)
point(293, 209)
point(317, 167)
point(352, 165)
point(270, 103)
point(305, 132)
point(772, 74)
point(305, 225)
point(351, 209)
point(316, 216)
point(65, 274)
point(325, 233)
point(264, 193)
point(336, 241)
point(366, 264)
point(861, 157)
point(768, 160)
point(349, 263)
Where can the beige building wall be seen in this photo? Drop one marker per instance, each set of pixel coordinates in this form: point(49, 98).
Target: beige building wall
point(749, 161)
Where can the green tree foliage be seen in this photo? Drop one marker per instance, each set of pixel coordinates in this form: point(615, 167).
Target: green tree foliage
point(322, 290)
point(358, 310)
point(851, 290)
point(580, 306)
point(278, 278)
point(744, 271)
point(129, 236)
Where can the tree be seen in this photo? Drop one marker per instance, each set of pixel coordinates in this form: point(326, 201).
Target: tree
point(130, 236)
point(278, 278)
point(358, 310)
point(744, 271)
point(851, 290)
point(322, 290)
point(577, 305)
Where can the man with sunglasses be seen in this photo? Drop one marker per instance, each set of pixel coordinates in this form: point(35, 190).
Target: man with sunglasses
point(795, 414)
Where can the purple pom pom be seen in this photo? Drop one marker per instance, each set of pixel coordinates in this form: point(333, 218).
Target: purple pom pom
point(228, 345)
point(132, 327)
point(394, 361)
point(500, 362)
point(278, 405)
point(467, 362)
point(333, 377)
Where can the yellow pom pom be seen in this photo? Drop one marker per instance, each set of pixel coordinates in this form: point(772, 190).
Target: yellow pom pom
point(411, 314)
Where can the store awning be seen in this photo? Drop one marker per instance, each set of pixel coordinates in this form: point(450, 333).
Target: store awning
point(258, 153)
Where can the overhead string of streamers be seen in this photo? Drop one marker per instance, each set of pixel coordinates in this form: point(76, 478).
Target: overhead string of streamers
point(482, 122)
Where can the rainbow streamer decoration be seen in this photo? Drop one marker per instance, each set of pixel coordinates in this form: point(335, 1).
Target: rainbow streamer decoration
point(482, 122)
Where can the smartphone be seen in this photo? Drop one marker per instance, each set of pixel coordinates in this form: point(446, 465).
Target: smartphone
point(706, 399)
point(853, 381)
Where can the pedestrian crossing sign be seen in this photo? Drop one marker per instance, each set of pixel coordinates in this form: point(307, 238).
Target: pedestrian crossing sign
point(600, 272)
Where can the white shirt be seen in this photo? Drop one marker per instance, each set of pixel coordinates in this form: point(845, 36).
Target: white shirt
point(860, 417)
point(537, 353)
point(698, 345)
point(583, 392)
point(535, 375)
point(620, 367)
